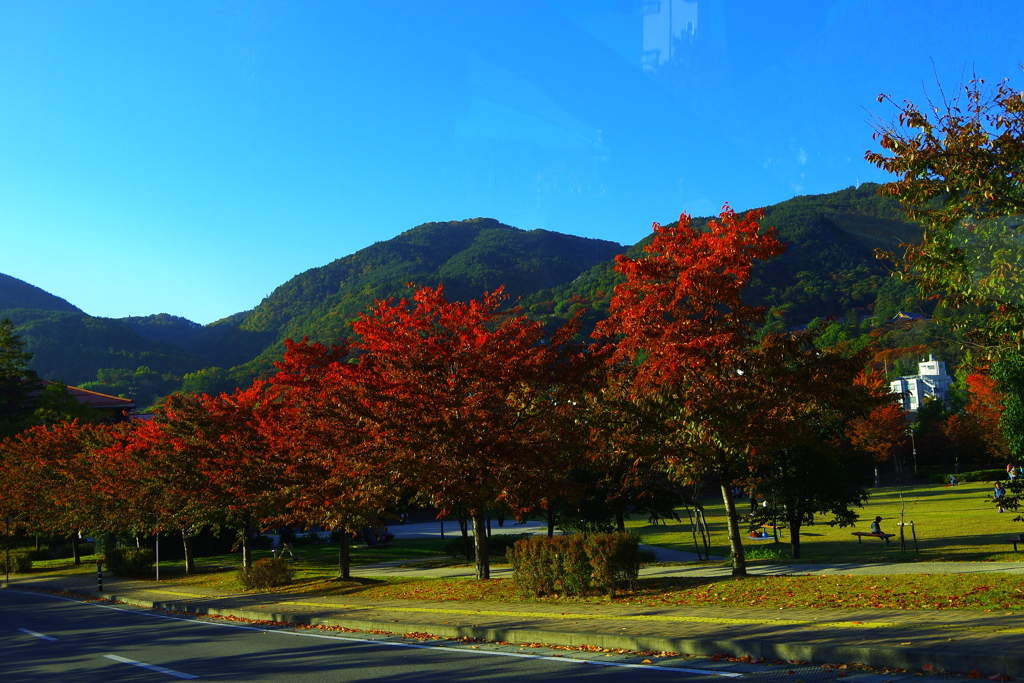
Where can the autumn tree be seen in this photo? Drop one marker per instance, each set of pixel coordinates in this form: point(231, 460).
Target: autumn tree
point(959, 165)
point(47, 477)
point(881, 433)
point(984, 410)
point(469, 401)
point(332, 472)
point(813, 468)
point(680, 317)
point(229, 471)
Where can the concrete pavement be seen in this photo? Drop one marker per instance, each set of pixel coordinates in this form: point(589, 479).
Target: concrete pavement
point(951, 640)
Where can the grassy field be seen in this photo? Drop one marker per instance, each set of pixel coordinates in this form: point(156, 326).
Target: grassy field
point(951, 523)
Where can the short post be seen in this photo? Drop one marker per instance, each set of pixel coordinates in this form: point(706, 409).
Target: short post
point(7, 549)
point(99, 575)
point(913, 531)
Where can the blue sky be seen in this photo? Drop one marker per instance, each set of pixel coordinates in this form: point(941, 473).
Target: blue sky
point(188, 157)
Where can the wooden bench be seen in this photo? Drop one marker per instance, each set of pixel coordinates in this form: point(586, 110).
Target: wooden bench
point(1015, 541)
point(862, 534)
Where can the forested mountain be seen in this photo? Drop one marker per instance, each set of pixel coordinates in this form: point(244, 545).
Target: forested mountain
point(15, 293)
point(828, 269)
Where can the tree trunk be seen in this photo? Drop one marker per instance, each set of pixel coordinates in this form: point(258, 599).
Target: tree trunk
point(483, 560)
point(620, 518)
point(466, 545)
point(794, 539)
point(739, 560)
point(551, 521)
point(246, 547)
point(344, 557)
point(705, 535)
point(75, 551)
point(190, 556)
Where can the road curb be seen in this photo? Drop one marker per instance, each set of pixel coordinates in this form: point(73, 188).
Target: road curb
point(910, 659)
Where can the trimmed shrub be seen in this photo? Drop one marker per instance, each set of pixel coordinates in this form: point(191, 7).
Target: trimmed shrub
point(262, 542)
point(575, 565)
point(964, 477)
point(496, 545)
point(129, 561)
point(59, 552)
point(21, 563)
point(267, 573)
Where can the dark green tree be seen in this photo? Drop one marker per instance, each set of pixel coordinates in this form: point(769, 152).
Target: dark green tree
point(19, 385)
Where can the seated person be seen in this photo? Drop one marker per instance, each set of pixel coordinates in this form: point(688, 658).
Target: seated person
point(876, 527)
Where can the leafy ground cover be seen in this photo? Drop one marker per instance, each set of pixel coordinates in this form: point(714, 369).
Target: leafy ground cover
point(914, 591)
point(920, 591)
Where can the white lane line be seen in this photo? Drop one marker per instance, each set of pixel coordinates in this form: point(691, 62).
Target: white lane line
point(569, 660)
point(38, 635)
point(151, 667)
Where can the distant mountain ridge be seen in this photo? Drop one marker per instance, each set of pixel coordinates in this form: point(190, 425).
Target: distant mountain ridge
point(15, 293)
point(828, 269)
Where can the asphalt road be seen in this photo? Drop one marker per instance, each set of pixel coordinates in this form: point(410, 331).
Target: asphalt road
point(48, 638)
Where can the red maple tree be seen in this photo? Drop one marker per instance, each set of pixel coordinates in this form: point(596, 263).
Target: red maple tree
point(469, 401)
point(681, 319)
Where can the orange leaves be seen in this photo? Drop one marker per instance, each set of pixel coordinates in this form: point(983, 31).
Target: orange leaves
point(880, 432)
point(680, 307)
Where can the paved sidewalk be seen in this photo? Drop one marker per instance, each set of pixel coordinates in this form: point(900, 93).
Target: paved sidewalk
point(954, 640)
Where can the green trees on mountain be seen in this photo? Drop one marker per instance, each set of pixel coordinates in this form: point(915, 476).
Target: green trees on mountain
point(18, 384)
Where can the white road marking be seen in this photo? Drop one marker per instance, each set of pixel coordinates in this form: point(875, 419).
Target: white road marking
point(568, 660)
point(151, 667)
point(38, 635)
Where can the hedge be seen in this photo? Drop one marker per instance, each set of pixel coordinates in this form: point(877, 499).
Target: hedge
point(963, 477)
point(129, 561)
point(21, 563)
point(575, 565)
point(496, 545)
point(267, 573)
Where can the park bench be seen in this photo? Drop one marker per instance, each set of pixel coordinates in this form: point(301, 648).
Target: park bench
point(862, 534)
point(1015, 541)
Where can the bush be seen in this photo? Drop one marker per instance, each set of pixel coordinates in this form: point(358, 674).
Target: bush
point(766, 554)
point(964, 477)
point(647, 556)
point(129, 561)
point(267, 573)
point(496, 545)
point(262, 542)
point(39, 555)
point(575, 565)
point(310, 538)
point(21, 563)
point(60, 552)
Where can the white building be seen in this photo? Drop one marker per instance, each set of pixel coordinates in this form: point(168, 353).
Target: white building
point(931, 381)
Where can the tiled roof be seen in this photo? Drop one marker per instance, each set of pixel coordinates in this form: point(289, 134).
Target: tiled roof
point(100, 401)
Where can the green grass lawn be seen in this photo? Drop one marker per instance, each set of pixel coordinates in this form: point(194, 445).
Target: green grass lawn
point(952, 523)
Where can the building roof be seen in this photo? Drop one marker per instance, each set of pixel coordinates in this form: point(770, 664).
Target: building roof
point(95, 399)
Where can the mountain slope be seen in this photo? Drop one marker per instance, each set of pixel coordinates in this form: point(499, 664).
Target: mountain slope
point(15, 293)
point(829, 267)
point(468, 257)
